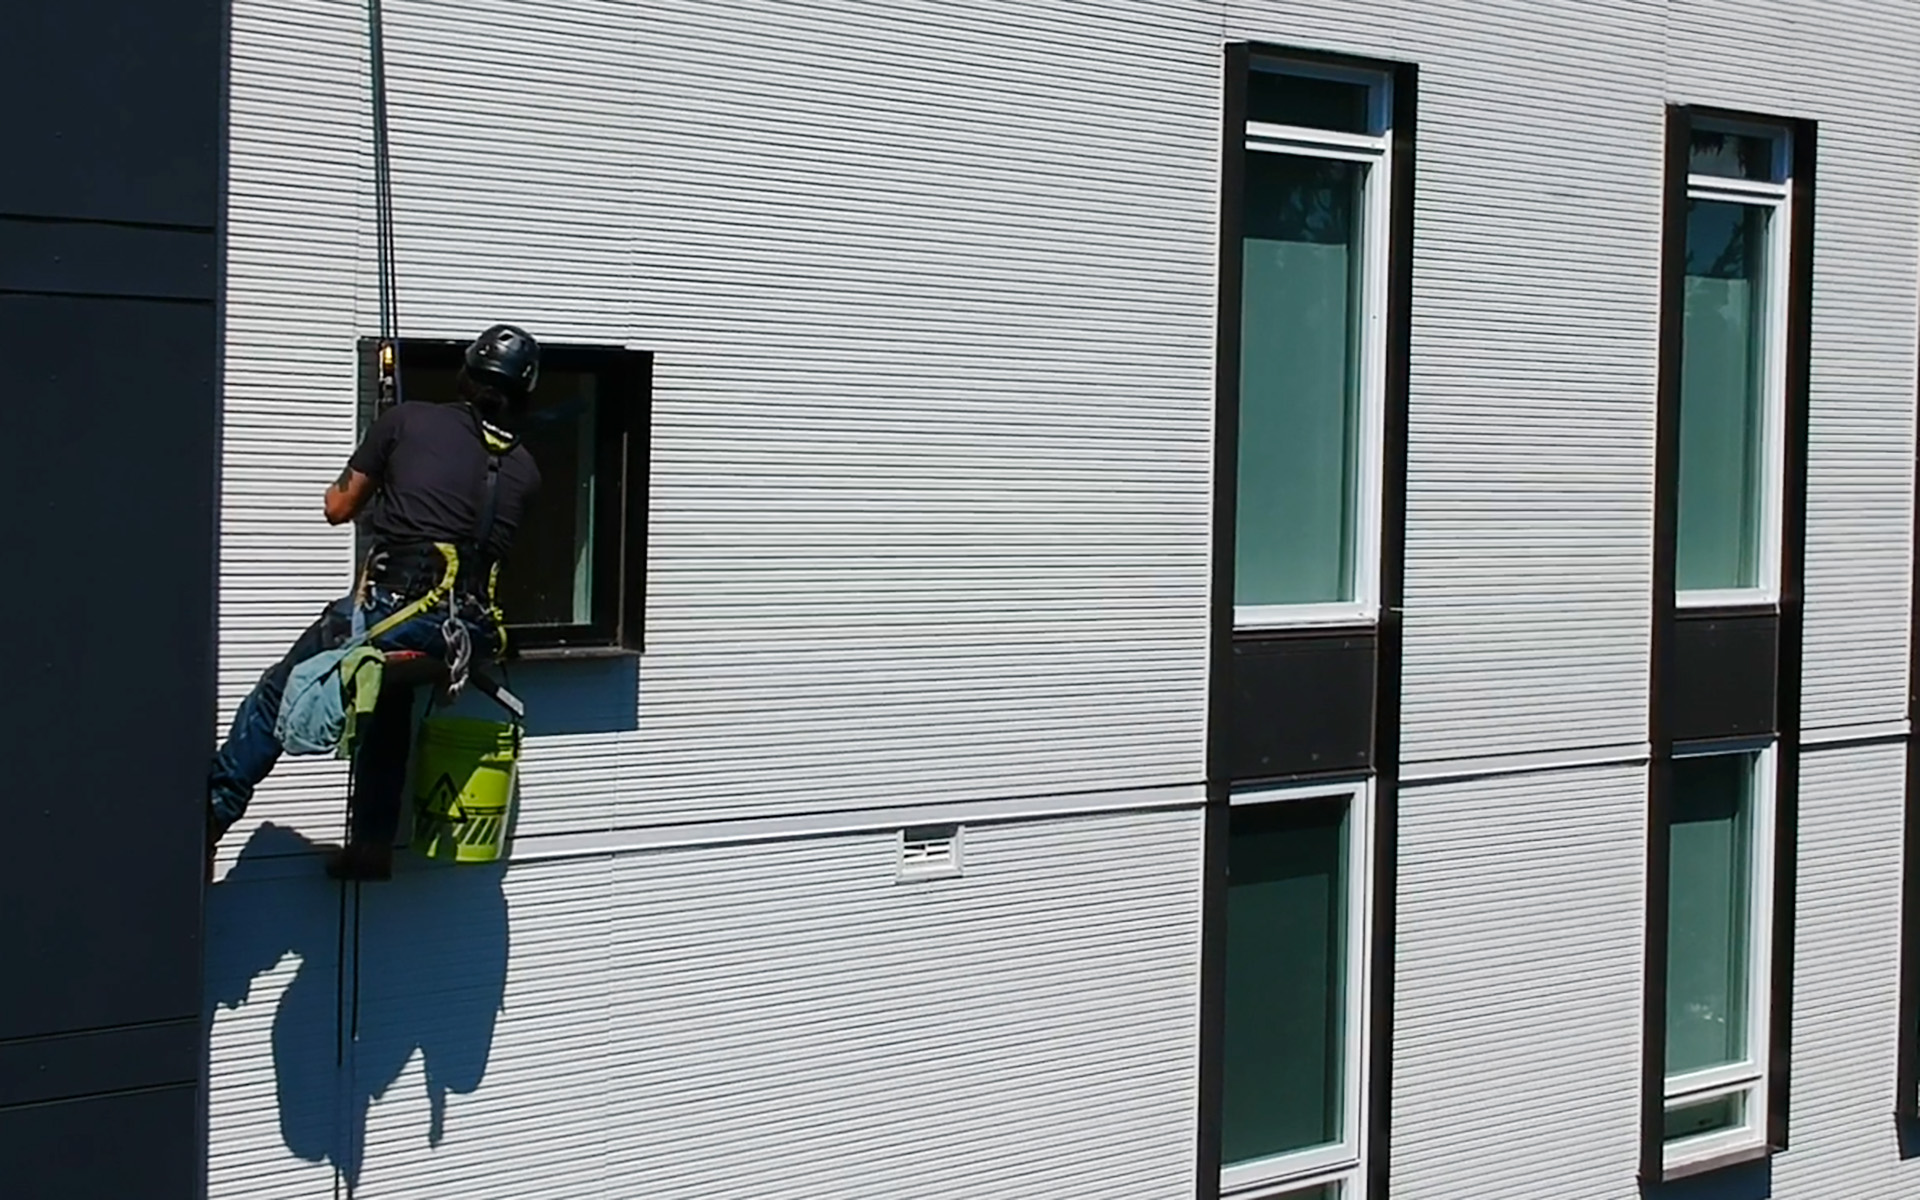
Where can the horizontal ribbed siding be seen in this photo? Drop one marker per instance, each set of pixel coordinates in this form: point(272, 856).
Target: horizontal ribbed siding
point(1846, 980)
point(1517, 990)
point(1033, 1020)
point(932, 435)
point(509, 1024)
point(1861, 463)
point(781, 1019)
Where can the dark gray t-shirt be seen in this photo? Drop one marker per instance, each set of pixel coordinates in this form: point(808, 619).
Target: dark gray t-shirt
point(429, 462)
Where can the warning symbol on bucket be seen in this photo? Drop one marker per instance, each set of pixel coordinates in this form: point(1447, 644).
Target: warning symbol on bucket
point(463, 787)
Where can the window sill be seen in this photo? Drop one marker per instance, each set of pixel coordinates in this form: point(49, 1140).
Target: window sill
point(1718, 1161)
point(1302, 618)
point(1728, 603)
point(569, 653)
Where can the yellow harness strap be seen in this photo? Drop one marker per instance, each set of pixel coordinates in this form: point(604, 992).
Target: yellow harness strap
point(434, 595)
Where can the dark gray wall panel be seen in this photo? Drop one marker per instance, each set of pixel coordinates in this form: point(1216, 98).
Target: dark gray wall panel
point(91, 259)
point(1724, 679)
point(1299, 703)
point(130, 1146)
point(118, 110)
point(110, 216)
point(106, 1060)
point(110, 688)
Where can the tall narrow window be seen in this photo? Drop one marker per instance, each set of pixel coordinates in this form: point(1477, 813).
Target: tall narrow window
point(1733, 365)
point(1311, 379)
point(1719, 923)
point(1729, 553)
point(1314, 214)
point(1296, 983)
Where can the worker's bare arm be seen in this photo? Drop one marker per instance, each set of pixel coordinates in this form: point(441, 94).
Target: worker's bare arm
point(347, 496)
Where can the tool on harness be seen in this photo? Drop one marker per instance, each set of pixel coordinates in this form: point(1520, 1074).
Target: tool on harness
point(462, 796)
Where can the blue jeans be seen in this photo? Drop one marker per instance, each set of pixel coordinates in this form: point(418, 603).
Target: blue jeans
point(380, 764)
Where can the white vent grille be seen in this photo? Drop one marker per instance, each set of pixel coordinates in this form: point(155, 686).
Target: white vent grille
point(930, 852)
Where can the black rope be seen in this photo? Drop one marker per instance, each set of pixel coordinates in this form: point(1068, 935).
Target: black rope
point(389, 364)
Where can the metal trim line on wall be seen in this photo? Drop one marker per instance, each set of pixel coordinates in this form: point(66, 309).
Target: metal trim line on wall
point(1392, 642)
point(1226, 449)
point(1793, 558)
point(1666, 528)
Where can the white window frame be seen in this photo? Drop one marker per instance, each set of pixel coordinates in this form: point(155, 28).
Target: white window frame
point(1747, 1078)
point(1341, 1163)
point(1776, 196)
point(1374, 149)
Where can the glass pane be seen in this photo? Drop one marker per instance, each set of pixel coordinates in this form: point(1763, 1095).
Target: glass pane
point(1286, 99)
point(1299, 382)
point(1709, 912)
point(1731, 155)
point(1286, 978)
point(1722, 390)
point(1708, 1116)
point(548, 579)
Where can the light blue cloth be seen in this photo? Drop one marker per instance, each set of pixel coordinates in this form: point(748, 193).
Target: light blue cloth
point(325, 697)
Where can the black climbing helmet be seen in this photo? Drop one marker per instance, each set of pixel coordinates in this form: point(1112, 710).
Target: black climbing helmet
point(506, 354)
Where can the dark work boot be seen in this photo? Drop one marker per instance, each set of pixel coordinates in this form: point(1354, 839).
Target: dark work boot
point(361, 862)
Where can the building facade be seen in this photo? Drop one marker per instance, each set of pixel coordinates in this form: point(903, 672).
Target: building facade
point(1165, 600)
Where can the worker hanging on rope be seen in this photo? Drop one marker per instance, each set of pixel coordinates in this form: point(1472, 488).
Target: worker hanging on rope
point(442, 488)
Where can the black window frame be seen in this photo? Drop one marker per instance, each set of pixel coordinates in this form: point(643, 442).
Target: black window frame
point(1314, 704)
point(1725, 674)
point(622, 460)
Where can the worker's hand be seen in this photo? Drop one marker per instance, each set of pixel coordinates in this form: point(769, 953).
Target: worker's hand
point(347, 496)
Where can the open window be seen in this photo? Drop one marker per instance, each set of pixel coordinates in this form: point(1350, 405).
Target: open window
point(575, 582)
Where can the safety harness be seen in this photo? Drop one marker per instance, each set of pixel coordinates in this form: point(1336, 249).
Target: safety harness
point(463, 577)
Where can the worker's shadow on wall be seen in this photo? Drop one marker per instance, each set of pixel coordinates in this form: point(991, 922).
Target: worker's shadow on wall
point(417, 965)
point(582, 696)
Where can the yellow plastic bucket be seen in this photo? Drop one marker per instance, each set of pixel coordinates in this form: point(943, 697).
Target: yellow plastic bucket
point(463, 783)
